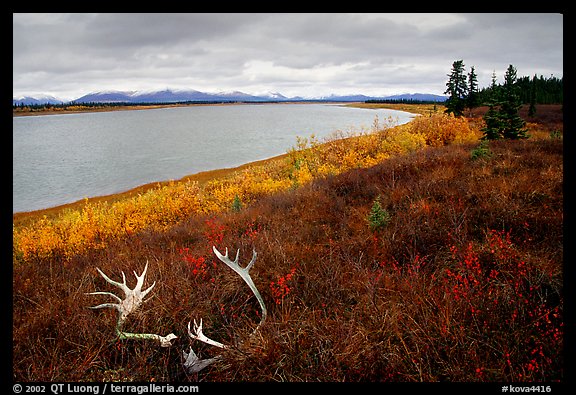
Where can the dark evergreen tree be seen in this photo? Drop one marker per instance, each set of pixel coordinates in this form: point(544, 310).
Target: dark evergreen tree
point(512, 124)
point(532, 108)
point(548, 90)
point(493, 128)
point(472, 99)
point(456, 88)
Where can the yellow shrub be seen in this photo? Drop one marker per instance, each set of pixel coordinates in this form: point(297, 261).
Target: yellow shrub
point(41, 240)
point(327, 169)
point(443, 129)
point(75, 231)
point(302, 174)
point(407, 141)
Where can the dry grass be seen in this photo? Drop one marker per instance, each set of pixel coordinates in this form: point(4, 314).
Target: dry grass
point(464, 284)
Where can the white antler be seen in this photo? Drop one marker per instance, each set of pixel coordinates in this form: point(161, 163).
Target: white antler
point(133, 298)
point(193, 363)
point(245, 275)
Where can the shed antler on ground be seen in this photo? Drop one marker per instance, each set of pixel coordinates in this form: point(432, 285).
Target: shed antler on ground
point(133, 298)
point(193, 363)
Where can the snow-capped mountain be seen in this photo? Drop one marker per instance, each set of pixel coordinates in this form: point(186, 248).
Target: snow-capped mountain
point(165, 96)
point(350, 98)
point(106, 97)
point(38, 100)
point(274, 96)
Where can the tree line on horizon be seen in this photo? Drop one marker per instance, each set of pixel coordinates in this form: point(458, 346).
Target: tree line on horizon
point(68, 105)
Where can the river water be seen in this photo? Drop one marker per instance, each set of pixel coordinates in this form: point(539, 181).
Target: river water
point(59, 159)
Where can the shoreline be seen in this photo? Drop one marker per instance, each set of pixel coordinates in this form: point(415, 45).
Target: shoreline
point(201, 177)
point(21, 217)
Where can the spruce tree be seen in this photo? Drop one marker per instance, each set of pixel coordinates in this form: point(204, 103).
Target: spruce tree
point(493, 128)
point(512, 124)
point(456, 88)
point(532, 108)
point(378, 217)
point(472, 98)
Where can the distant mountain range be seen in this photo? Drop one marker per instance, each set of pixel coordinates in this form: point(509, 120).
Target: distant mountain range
point(175, 96)
point(38, 100)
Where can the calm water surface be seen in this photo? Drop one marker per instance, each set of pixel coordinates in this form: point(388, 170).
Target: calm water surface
point(59, 159)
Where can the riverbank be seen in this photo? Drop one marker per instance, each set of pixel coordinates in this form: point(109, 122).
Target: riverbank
point(92, 223)
point(548, 118)
point(77, 109)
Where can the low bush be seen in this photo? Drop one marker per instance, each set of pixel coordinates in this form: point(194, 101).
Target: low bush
point(482, 151)
point(378, 218)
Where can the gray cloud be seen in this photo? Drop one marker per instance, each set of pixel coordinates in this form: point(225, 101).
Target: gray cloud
point(68, 55)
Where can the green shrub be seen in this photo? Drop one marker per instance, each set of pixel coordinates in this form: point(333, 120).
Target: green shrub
point(555, 134)
point(236, 204)
point(378, 217)
point(482, 151)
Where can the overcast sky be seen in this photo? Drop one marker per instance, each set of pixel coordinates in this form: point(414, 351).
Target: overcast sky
point(69, 55)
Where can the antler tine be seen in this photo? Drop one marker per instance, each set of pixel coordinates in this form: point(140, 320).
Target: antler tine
point(104, 305)
point(122, 285)
point(140, 278)
point(198, 335)
point(105, 293)
point(252, 261)
point(140, 281)
point(234, 264)
point(224, 258)
point(193, 364)
point(145, 292)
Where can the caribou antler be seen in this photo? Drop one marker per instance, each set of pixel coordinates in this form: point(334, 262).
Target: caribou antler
point(193, 363)
point(133, 298)
point(245, 275)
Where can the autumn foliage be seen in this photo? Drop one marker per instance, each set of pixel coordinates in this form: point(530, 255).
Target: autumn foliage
point(93, 226)
point(463, 283)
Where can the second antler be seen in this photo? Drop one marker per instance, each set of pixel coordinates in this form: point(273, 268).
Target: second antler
point(193, 363)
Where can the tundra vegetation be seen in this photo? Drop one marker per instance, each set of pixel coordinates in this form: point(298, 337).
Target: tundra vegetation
point(404, 253)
